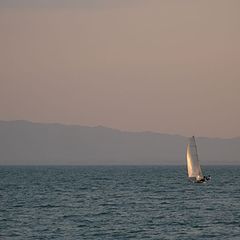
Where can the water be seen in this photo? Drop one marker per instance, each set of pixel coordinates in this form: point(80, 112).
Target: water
point(118, 203)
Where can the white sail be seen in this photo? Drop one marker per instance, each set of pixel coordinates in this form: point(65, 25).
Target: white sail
point(193, 165)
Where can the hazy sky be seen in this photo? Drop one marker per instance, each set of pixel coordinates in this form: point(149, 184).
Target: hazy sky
point(167, 66)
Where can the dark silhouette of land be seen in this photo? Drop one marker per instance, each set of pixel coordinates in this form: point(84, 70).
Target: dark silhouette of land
point(23, 142)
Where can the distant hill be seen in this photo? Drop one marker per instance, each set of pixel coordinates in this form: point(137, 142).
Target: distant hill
point(23, 142)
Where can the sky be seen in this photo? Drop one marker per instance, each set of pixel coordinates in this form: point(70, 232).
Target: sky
point(166, 66)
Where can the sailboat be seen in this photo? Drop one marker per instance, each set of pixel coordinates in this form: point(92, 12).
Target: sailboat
point(193, 165)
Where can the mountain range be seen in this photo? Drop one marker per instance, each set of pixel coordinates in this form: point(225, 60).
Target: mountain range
point(28, 143)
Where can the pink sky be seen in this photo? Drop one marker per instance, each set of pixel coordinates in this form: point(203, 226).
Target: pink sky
point(165, 66)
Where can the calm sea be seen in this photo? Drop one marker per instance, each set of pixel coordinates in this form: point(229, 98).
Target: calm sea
point(118, 203)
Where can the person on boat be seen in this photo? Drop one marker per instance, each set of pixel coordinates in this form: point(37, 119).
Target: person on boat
point(207, 178)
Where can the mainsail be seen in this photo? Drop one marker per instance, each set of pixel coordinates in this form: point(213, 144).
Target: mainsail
point(193, 165)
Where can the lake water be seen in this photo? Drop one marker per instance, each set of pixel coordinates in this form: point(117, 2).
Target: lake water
point(118, 203)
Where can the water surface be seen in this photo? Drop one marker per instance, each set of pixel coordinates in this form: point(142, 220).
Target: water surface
point(144, 202)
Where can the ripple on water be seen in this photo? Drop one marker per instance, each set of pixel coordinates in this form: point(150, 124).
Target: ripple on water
point(117, 203)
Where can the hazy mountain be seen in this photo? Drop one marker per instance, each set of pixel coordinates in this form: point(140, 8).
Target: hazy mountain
point(23, 142)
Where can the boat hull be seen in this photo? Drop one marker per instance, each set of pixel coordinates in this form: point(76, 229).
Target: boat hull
point(194, 180)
